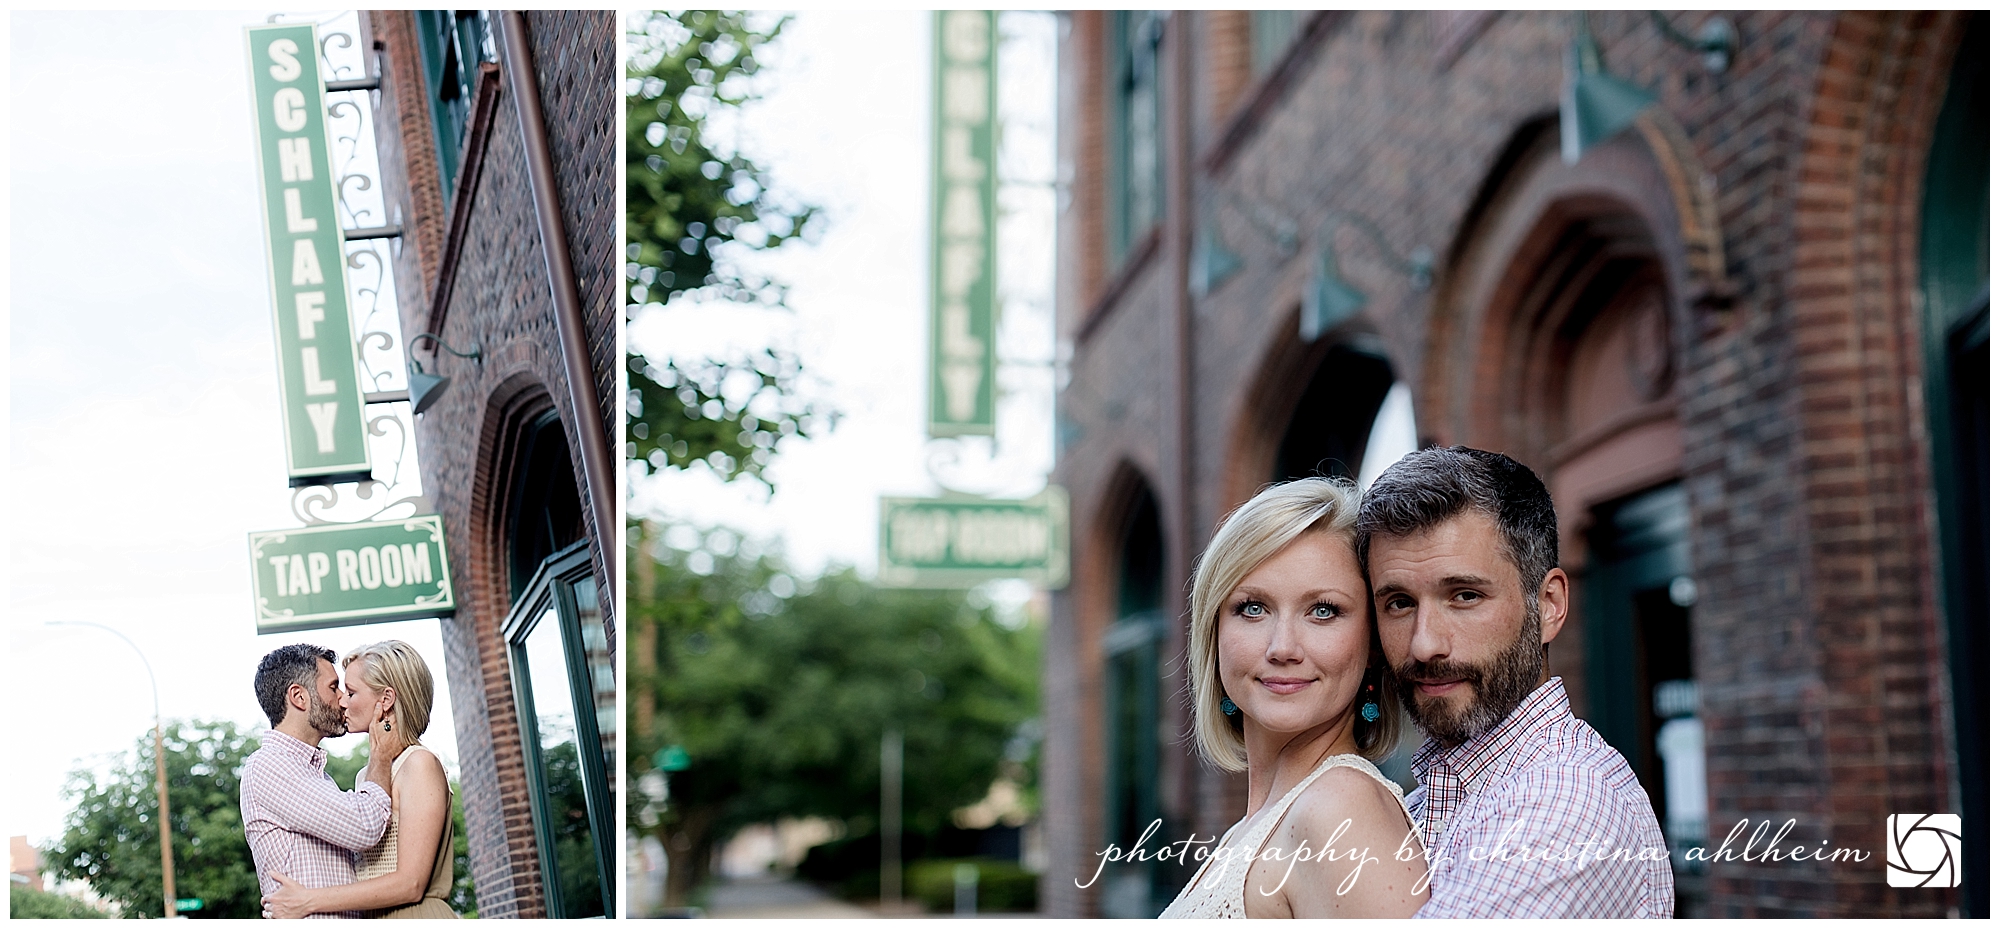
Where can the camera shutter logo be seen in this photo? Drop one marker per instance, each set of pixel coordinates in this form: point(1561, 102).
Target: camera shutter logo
point(1923, 850)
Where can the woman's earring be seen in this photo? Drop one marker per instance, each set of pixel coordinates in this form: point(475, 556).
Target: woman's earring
point(1369, 711)
point(389, 725)
point(1228, 707)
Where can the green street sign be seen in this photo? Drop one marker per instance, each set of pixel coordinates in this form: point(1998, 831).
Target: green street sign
point(672, 758)
point(964, 181)
point(961, 541)
point(187, 904)
point(349, 575)
point(319, 388)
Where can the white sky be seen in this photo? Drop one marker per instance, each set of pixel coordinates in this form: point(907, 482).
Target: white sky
point(144, 437)
point(844, 124)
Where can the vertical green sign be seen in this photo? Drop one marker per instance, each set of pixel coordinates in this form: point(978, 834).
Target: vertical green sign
point(318, 384)
point(963, 183)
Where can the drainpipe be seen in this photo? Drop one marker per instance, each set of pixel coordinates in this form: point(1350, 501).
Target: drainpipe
point(1176, 89)
point(570, 332)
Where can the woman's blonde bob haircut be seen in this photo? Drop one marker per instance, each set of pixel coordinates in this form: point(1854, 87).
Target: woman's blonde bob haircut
point(1273, 519)
point(395, 665)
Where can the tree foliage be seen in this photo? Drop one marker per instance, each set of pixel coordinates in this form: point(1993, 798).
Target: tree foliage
point(780, 695)
point(689, 208)
point(111, 837)
point(28, 903)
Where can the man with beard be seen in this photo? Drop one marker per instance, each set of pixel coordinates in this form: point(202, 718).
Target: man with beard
point(1524, 810)
point(297, 820)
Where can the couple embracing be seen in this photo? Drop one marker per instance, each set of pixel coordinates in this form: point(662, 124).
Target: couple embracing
point(382, 849)
point(1320, 617)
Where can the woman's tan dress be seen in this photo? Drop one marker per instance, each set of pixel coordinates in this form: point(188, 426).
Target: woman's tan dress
point(381, 860)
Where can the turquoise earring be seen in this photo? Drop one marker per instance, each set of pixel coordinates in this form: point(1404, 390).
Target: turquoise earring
point(1228, 707)
point(1369, 711)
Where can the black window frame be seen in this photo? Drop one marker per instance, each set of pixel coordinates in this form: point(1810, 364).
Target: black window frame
point(451, 45)
point(554, 586)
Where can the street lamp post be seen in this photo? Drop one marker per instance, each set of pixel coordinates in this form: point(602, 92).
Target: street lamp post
point(159, 765)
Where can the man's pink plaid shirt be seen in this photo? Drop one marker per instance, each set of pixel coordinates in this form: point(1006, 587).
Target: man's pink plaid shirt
point(299, 823)
point(1537, 786)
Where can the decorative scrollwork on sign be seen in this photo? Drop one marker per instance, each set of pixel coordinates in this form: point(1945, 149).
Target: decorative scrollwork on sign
point(378, 340)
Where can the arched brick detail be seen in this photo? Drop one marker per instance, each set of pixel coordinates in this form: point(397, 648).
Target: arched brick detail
point(1864, 471)
point(511, 882)
point(1073, 682)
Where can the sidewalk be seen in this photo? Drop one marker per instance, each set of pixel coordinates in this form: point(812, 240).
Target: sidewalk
point(777, 898)
point(784, 898)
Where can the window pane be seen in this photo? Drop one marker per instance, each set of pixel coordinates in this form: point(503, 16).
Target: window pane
point(603, 680)
point(574, 852)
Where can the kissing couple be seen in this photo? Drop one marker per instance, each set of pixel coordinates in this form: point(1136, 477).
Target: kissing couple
point(382, 849)
point(1312, 607)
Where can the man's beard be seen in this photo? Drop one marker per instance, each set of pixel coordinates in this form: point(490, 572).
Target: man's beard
point(328, 718)
point(1497, 686)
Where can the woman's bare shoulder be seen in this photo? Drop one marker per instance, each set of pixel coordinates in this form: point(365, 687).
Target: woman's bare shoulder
point(421, 762)
point(1364, 860)
point(1346, 794)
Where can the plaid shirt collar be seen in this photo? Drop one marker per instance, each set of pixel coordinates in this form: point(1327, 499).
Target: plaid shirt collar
point(1449, 774)
point(295, 750)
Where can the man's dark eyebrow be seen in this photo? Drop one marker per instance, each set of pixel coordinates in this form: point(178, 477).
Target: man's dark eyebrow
point(1387, 589)
point(1456, 580)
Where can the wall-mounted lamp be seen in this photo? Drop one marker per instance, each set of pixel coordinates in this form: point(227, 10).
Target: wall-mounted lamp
point(425, 389)
point(1596, 106)
point(1717, 41)
point(1212, 262)
point(1329, 299)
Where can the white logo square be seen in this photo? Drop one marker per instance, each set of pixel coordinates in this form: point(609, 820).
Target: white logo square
point(1923, 850)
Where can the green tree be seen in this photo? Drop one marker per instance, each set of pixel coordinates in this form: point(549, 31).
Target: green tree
point(111, 836)
point(346, 771)
point(780, 695)
point(28, 903)
point(690, 208)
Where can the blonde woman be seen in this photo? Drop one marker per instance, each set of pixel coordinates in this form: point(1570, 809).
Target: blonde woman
point(1290, 685)
point(408, 874)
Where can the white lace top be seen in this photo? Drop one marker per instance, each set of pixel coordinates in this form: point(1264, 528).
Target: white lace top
point(1220, 895)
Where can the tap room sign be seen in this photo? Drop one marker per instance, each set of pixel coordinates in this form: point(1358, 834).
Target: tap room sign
point(350, 574)
point(318, 382)
point(964, 181)
point(960, 541)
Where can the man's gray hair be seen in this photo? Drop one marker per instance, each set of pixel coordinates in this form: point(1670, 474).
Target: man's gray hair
point(1432, 485)
point(292, 664)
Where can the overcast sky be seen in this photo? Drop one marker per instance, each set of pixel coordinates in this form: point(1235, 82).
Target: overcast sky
point(144, 435)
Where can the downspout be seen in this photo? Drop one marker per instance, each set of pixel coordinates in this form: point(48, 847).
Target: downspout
point(1176, 87)
point(571, 335)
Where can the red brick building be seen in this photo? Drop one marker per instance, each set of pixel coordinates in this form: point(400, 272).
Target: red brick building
point(1743, 340)
point(497, 139)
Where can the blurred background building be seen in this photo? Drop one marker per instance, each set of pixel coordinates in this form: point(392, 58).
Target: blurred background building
point(496, 134)
point(1742, 337)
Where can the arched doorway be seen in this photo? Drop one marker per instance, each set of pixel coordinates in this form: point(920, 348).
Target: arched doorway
point(1956, 280)
point(1131, 649)
point(1329, 430)
point(565, 687)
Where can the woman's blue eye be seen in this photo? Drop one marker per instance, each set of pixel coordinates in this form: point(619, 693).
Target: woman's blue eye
point(1323, 611)
point(1251, 609)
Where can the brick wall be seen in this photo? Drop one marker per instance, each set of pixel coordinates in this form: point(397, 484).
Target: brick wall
point(1816, 632)
point(472, 271)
